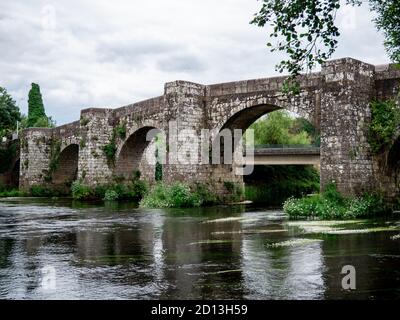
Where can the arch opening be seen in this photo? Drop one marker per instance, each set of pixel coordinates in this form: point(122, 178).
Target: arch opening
point(272, 126)
point(138, 155)
point(394, 155)
point(67, 168)
point(393, 163)
point(286, 153)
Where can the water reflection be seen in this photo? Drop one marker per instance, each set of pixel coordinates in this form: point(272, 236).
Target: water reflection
point(58, 249)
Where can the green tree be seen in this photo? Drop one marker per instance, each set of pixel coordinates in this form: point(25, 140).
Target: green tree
point(279, 127)
point(306, 31)
point(9, 113)
point(36, 113)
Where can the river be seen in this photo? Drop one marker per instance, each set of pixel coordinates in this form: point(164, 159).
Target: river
point(61, 249)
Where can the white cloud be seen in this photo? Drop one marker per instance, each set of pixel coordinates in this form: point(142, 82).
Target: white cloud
point(112, 53)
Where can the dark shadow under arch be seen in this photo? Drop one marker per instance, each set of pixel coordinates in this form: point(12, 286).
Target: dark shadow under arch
point(14, 177)
point(130, 158)
point(67, 168)
point(393, 159)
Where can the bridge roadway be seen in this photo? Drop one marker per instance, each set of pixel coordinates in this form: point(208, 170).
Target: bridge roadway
point(285, 155)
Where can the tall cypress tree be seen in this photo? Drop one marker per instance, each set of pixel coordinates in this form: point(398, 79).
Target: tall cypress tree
point(35, 106)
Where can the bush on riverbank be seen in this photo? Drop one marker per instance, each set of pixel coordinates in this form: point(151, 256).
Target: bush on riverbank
point(46, 191)
point(34, 191)
point(11, 193)
point(332, 205)
point(177, 195)
point(134, 190)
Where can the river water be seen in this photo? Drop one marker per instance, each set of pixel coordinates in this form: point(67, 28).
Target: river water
point(60, 249)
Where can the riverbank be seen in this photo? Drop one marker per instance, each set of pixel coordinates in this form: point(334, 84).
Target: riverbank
point(326, 206)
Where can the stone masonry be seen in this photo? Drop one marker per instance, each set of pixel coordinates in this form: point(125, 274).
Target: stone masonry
point(336, 100)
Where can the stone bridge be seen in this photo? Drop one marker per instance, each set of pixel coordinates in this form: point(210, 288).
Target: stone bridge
point(336, 100)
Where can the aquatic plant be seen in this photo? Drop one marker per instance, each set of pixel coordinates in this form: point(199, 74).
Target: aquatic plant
point(177, 195)
point(293, 242)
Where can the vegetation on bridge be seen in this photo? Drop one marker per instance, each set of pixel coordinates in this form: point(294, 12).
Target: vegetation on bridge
point(36, 113)
point(385, 122)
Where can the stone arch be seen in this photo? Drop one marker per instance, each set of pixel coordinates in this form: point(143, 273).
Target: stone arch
point(240, 113)
point(131, 154)
point(241, 116)
point(67, 167)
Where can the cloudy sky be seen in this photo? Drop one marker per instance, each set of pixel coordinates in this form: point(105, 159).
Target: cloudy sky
point(98, 53)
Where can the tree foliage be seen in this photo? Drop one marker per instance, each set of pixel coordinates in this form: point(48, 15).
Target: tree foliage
point(9, 113)
point(279, 127)
point(306, 30)
point(36, 114)
point(388, 21)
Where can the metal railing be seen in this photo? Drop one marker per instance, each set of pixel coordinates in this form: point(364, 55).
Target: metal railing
point(286, 146)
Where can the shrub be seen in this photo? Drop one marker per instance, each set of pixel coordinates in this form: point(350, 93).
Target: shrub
point(208, 198)
point(235, 190)
point(111, 195)
point(177, 195)
point(156, 198)
point(180, 196)
point(134, 190)
point(333, 195)
point(332, 205)
point(121, 131)
point(366, 206)
point(42, 191)
point(11, 193)
point(81, 191)
point(109, 151)
point(138, 189)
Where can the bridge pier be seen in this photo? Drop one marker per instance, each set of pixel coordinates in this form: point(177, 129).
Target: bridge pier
point(345, 113)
